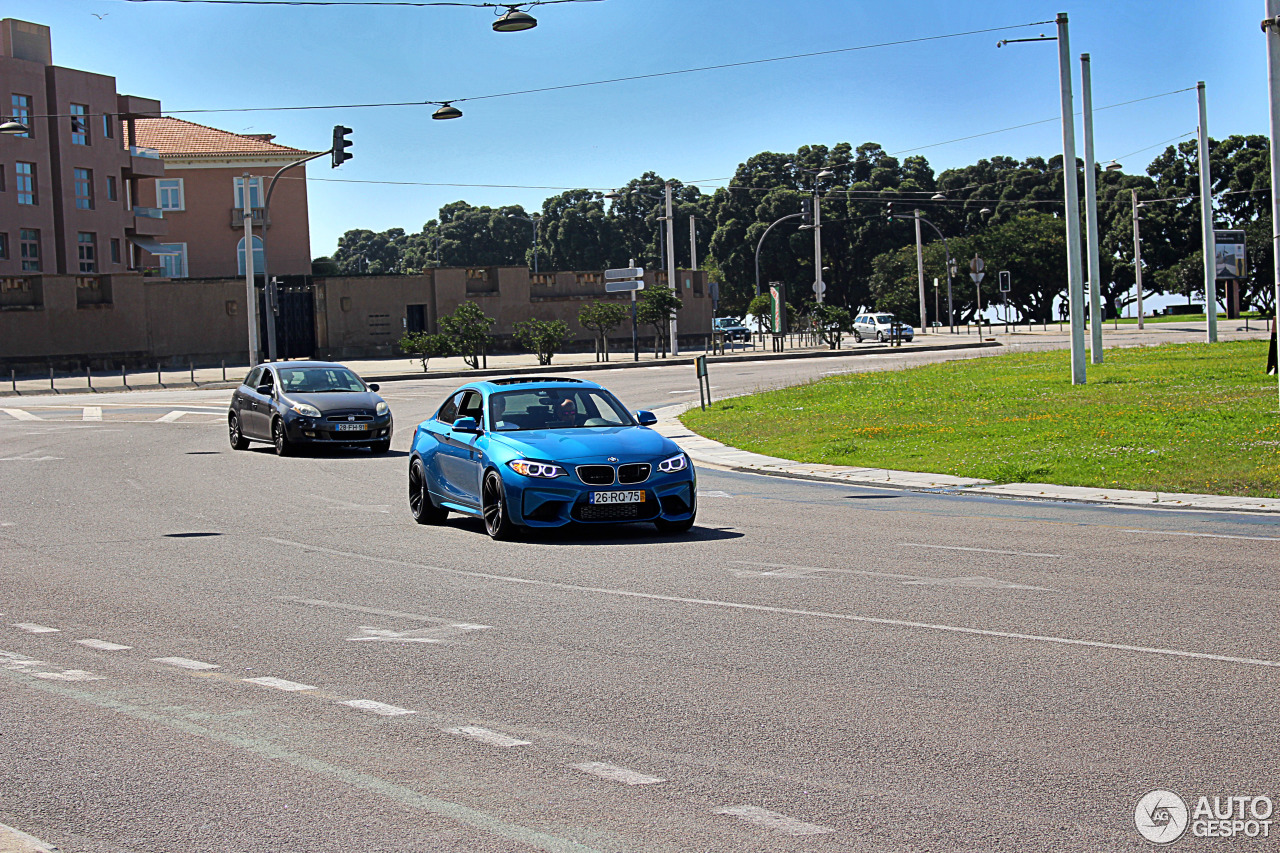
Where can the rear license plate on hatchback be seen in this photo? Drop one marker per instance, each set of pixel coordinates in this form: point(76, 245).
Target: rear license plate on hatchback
point(632, 497)
point(351, 427)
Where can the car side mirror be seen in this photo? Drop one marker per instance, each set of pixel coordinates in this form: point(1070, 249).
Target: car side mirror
point(466, 425)
point(646, 418)
point(265, 389)
point(373, 386)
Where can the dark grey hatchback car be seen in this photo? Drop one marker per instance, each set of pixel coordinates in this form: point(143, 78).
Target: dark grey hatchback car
point(292, 403)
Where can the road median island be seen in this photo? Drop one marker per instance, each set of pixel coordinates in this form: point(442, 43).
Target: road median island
point(1190, 419)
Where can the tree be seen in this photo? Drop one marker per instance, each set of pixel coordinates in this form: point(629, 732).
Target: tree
point(324, 266)
point(426, 346)
point(761, 308)
point(541, 337)
point(830, 321)
point(467, 330)
point(656, 308)
point(601, 318)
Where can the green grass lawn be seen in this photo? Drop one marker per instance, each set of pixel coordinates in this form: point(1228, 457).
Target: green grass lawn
point(1173, 418)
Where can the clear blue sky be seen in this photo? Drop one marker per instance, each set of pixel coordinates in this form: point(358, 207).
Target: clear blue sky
point(693, 127)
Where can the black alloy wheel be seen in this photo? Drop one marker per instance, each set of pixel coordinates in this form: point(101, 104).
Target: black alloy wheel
point(857, 338)
point(279, 439)
point(238, 441)
point(493, 502)
point(880, 337)
point(420, 505)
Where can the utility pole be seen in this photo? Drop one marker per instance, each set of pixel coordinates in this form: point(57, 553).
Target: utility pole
point(819, 287)
point(251, 296)
point(1271, 27)
point(693, 243)
point(1075, 285)
point(1137, 256)
point(1206, 224)
point(671, 268)
point(1091, 212)
point(924, 321)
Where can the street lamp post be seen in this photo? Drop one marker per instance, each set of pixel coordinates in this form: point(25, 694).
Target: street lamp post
point(1271, 29)
point(1091, 214)
point(535, 222)
point(819, 287)
point(760, 243)
point(1137, 254)
point(951, 264)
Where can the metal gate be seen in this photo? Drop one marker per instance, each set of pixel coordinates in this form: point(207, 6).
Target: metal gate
point(295, 318)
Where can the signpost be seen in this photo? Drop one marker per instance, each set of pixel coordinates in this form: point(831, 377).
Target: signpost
point(621, 280)
point(1229, 266)
point(700, 365)
point(976, 267)
point(1006, 282)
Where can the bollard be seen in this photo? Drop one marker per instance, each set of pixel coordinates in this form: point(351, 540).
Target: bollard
point(124, 383)
point(88, 376)
point(51, 378)
point(13, 380)
point(192, 365)
point(224, 370)
point(158, 382)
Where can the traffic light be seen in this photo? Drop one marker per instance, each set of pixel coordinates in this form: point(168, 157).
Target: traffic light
point(340, 145)
point(806, 211)
point(1006, 282)
point(889, 208)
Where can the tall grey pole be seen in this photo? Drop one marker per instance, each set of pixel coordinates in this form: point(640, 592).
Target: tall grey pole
point(251, 298)
point(924, 324)
point(671, 267)
point(1271, 26)
point(535, 220)
point(693, 243)
point(1075, 286)
point(1091, 214)
point(1137, 256)
point(1206, 223)
point(818, 285)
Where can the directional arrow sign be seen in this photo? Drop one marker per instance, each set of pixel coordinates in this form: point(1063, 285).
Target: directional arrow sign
point(630, 272)
point(620, 286)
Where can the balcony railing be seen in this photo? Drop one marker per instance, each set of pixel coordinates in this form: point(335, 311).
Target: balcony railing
point(148, 212)
point(237, 216)
point(148, 153)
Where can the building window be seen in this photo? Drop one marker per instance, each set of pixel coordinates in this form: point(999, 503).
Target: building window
point(115, 250)
point(87, 248)
point(255, 193)
point(84, 189)
point(174, 266)
point(259, 256)
point(112, 194)
point(2, 184)
point(79, 124)
point(4, 247)
point(108, 126)
point(21, 109)
point(169, 194)
point(29, 247)
point(26, 173)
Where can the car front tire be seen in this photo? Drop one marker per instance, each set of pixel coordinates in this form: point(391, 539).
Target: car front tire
point(238, 441)
point(283, 446)
point(857, 338)
point(673, 528)
point(380, 447)
point(420, 505)
point(493, 503)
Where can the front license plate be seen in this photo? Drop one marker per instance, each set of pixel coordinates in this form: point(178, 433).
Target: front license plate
point(632, 497)
point(351, 427)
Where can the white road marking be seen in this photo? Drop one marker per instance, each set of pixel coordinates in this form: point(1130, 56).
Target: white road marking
point(30, 458)
point(974, 582)
point(32, 628)
point(1203, 535)
point(187, 663)
point(279, 683)
point(616, 774)
point(103, 645)
point(711, 493)
point(92, 413)
point(21, 414)
point(378, 708)
point(436, 634)
point(15, 662)
point(980, 550)
point(170, 418)
point(653, 368)
point(779, 570)
point(773, 820)
point(784, 611)
point(486, 736)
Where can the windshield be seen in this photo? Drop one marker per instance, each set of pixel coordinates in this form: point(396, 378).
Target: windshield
point(318, 380)
point(556, 408)
point(884, 318)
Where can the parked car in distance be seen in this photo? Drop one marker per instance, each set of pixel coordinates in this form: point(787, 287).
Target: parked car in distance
point(547, 452)
point(880, 326)
point(293, 403)
point(732, 328)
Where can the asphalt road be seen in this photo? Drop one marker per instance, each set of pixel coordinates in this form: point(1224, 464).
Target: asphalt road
point(208, 650)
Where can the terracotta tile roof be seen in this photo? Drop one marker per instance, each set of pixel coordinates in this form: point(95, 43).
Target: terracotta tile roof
point(173, 137)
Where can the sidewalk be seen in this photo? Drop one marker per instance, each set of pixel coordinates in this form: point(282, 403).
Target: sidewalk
point(407, 369)
point(16, 841)
point(706, 451)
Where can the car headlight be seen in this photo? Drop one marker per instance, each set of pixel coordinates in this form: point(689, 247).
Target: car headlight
point(381, 408)
point(674, 464)
point(306, 409)
point(545, 470)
